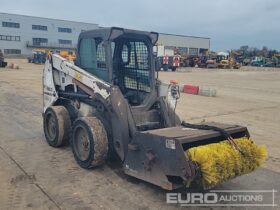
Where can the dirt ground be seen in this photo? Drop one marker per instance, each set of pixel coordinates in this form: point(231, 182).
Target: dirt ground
point(36, 176)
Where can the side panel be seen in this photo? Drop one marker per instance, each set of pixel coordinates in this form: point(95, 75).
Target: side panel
point(49, 93)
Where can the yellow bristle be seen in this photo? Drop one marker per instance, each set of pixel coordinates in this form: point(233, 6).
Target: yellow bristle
point(219, 162)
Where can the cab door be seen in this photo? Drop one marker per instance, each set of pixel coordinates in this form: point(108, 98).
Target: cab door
point(92, 57)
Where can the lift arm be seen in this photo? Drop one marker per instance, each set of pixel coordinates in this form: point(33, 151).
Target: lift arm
point(59, 71)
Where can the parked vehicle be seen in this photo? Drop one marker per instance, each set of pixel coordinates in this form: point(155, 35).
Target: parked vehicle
point(169, 62)
point(258, 61)
point(227, 60)
point(3, 64)
point(38, 56)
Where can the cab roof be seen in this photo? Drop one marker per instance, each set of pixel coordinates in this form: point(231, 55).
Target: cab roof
point(112, 33)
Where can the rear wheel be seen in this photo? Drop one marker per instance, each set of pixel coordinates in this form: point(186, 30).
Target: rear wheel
point(89, 142)
point(57, 125)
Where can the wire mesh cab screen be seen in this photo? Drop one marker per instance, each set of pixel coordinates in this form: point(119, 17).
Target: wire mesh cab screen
point(135, 68)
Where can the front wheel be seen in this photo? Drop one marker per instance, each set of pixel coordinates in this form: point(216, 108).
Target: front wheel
point(89, 142)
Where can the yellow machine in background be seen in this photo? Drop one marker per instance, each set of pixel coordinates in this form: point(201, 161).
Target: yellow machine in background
point(42, 50)
point(222, 60)
point(69, 55)
point(227, 60)
point(39, 55)
point(232, 60)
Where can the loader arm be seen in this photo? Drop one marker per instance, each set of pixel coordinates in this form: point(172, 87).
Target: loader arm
point(99, 86)
point(61, 72)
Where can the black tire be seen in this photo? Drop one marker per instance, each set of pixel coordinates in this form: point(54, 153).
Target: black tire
point(89, 142)
point(57, 125)
point(111, 150)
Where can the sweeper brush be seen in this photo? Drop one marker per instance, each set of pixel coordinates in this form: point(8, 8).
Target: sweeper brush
point(219, 162)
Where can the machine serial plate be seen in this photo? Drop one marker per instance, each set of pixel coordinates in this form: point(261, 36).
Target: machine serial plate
point(170, 144)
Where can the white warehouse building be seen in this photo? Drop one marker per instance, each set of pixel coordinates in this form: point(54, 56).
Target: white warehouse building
point(20, 34)
point(184, 45)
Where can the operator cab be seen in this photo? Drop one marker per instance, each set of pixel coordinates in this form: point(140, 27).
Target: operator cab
point(121, 57)
point(131, 68)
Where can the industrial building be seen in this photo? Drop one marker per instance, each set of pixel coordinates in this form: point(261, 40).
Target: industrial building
point(184, 45)
point(20, 34)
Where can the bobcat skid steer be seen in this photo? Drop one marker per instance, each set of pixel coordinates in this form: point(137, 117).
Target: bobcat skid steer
point(111, 103)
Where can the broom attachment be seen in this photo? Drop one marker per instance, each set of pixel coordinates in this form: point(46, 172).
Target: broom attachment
point(219, 162)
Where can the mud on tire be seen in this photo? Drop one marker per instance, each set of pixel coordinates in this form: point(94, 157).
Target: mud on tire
point(57, 125)
point(89, 142)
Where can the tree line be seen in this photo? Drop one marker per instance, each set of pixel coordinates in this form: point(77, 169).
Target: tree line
point(248, 52)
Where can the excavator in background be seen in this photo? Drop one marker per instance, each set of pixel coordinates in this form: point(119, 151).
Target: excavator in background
point(222, 60)
point(227, 60)
point(236, 59)
point(3, 64)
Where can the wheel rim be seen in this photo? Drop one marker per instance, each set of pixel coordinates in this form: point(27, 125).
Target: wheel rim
point(51, 126)
point(81, 143)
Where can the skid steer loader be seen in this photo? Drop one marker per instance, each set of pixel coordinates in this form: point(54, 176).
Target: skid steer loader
point(111, 103)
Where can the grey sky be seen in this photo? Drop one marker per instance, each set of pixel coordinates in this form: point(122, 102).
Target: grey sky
point(229, 23)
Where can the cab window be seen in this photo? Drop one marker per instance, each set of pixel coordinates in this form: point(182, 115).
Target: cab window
point(93, 57)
